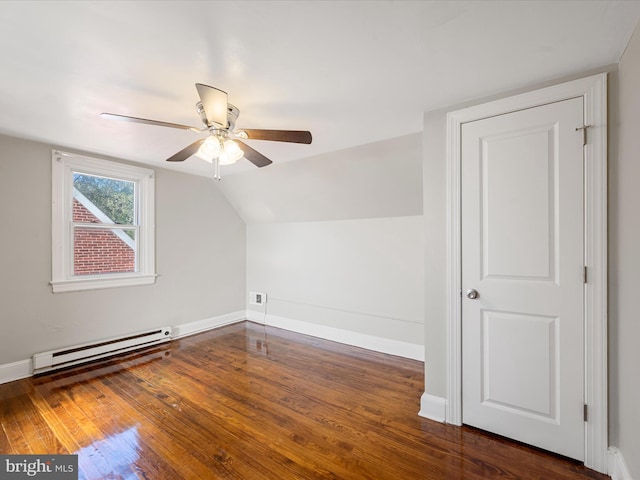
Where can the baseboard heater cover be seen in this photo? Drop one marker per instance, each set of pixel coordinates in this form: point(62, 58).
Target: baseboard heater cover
point(70, 356)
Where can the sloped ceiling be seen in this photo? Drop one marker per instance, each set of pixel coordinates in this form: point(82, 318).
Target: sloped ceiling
point(351, 72)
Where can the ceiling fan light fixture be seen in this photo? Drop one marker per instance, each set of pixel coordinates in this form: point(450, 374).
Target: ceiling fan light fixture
point(219, 117)
point(230, 153)
point(209, 149)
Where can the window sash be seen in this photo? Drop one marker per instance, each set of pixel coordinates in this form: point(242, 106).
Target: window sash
point(136, 190)
point(106, 227)
point(63, 277)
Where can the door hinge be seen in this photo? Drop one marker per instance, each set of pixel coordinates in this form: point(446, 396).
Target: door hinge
point(584, 133)
point(585, 415)
point(584, 274)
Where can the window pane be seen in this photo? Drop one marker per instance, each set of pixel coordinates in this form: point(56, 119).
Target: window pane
point(103, 250)
point(103, 200)
point(103, 231)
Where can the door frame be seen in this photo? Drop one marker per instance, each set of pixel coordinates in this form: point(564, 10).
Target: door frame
point(593, 90)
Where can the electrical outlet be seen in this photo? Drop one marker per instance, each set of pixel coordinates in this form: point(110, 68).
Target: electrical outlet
point(257, 298)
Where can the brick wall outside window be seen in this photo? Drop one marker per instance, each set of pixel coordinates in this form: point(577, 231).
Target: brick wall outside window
point(97, 250)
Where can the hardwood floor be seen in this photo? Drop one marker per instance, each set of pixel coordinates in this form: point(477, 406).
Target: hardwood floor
point(249, 402)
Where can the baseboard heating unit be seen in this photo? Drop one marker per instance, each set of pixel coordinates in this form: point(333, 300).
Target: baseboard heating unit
point(67, 357)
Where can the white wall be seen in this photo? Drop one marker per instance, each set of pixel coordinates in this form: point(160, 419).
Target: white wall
point(357, 275)
point(337, 241)
point(624, 263)
point(200, 251)
point(435, 224)
point(376, 180)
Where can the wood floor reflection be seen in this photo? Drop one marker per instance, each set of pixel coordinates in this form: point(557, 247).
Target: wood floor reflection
point(252, 402)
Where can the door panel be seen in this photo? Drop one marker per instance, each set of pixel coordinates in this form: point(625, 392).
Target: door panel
point(520, 361)
point(517, 166)
point(522, 250)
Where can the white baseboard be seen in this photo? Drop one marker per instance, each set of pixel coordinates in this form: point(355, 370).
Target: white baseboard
point(24, 368)
point(15, 371)
point(255, 316)
point(370, 342)
point(618, 469)
point(433, 408)
point(191, 328)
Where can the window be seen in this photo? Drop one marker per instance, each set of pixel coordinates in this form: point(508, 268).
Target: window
point(102, 224)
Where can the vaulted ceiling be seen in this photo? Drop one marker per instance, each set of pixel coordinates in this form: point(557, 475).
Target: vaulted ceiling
point(351, 72)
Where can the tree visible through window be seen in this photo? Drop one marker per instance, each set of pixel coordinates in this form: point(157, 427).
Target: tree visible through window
point(114, 197)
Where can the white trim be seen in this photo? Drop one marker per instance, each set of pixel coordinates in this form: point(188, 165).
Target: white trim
point(63, 166)
point(593, 90)
point(191, 328)
point(596, 307)
point(255, 316)
point(369, 342)
point(618, 469)
point(10, 372)
point(102, 282)
point(24, 368)
point(433, 408)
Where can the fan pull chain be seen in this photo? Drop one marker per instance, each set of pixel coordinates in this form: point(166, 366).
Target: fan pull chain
point(216, 168)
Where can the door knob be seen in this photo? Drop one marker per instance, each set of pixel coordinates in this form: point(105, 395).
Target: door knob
point(472, 294)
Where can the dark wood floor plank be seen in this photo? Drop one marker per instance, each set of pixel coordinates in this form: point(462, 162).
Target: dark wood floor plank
point(64, 436)
point(5, 446)
point(193, 446)
point(125, 441)
point(304, 418)
point(153, 443)
point(257, 422)
point(26, 429)
point(66, 429)
point(91, 459)
point(251, 402)
point(225, 423)
point(330, 413)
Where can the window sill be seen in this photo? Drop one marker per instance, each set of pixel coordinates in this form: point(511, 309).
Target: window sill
point(61, 286)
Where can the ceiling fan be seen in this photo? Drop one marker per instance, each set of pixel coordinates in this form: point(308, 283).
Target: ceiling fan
point(219, 118)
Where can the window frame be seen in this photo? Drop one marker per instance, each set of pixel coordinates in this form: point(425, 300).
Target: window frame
point(64, 165)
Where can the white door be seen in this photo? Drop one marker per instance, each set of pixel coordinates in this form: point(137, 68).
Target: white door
point(522, 251)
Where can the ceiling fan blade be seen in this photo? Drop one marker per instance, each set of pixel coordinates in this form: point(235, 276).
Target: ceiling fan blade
point(214, 102)
point(254, 156)
point(146, 121)
point(186, 152)
point(291, 136)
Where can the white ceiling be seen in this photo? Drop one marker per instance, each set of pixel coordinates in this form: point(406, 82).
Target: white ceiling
point(351, 72)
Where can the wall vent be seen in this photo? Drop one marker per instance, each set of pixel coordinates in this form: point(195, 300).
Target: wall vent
point(67, 357)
